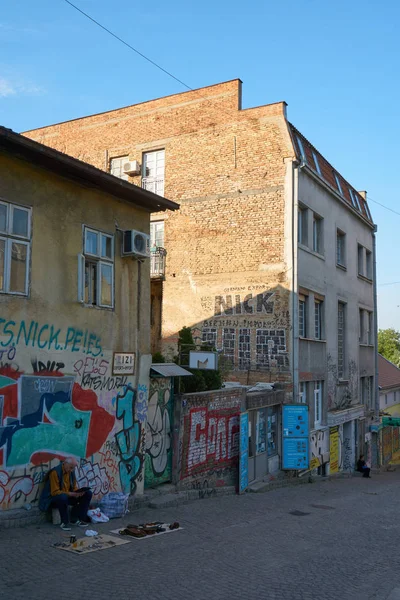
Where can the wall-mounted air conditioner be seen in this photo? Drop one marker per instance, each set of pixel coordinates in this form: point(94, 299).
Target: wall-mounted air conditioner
point(135, 243)
point(131, 167)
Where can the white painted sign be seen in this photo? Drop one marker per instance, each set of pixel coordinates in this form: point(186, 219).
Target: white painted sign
point(124, 363)
point(203, 360)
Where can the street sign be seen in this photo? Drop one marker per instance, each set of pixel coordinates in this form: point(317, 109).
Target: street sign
point(207, 361)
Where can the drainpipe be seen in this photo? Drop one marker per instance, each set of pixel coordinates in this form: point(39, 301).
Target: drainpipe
point(376, 386)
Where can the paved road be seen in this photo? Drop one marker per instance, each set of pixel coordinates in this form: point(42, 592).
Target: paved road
point(347, 547)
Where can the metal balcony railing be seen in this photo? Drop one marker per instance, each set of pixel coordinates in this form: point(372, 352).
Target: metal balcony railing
point(157, 262)
point(153, 185)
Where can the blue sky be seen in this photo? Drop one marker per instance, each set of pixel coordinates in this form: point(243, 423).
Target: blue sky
point(335, 63)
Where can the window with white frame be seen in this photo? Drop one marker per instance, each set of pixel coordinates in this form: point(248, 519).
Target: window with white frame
point(339, 186)
point(362, 326)
point(303, 225)
point(352, 197)
point(318, 319)
point(317, 233)
point(153, 171)
point(317, 403)
point(370, 328)
point(302, 316)
point(301, 148)
point(317, 167)
point(116, 167)
point(360, 259)
point(15, 242)
point(341, 339)
point(96, 269)
point(340, 248)
point(157, 234)
point(303, 392)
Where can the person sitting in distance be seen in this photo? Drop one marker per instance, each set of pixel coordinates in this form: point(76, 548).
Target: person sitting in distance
point(362, 467)
point(61, 490)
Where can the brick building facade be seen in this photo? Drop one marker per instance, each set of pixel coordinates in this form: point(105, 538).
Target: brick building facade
point(254, 247)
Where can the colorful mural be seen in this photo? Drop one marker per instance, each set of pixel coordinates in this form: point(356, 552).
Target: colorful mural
point(158, 465)
point(58, 398)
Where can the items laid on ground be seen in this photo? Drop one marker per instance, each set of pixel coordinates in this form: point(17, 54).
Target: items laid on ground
point(86, 545)
point(144, 530)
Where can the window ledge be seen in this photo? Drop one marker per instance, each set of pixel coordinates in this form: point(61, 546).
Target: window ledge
point(307, 249)
point(343, 382)
point(307, 339)
point(366, 345)
point(341, 267)
point(15, 294)
point(95, 307)
point(363, 278)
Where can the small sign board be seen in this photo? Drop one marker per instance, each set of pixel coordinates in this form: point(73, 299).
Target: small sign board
point(295, 420)
point(244, 453)
point(123, 363)
point(203, 360)
point(295, 453)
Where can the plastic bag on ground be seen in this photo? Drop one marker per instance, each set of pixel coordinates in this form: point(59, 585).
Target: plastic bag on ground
point(96, 516)
point(114, 505)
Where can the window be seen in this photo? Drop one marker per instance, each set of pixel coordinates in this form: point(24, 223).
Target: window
point(302, 316)
point(317, 167)
point(157, 234)
point(352, 196)
point(153, 167)
point(370, 328)
point(15, 234)
point(317, 403)
point(303, 225)
point(261, 431)
point(116, 167)
point(272, 430)
point(339, 187)
point(341, 339)
point(360, 259)
point(318, 319)
point(368, 260)
point(362, 326)
point(301, 148)
point(317, 234)
point(340, 248)
point(386, 398)
point(303, 392)
point(357, 201)
point(97, 287)
point(366, 385)
point(367, 211)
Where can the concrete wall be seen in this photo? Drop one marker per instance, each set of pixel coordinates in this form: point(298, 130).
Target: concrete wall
point(319, 275)
point(228, 275)
point(58, 394)
point(388, 399)
point(208, 446)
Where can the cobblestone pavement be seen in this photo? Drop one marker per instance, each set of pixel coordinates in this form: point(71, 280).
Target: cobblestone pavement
point(346, 547)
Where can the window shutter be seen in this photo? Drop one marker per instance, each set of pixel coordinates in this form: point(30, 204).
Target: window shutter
point(81, 278)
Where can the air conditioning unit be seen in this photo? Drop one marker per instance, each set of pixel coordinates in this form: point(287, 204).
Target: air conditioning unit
point(131, 167)
point(136, 243)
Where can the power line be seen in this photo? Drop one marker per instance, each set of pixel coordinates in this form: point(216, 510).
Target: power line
point(383, 206)
point(129, 46)
point(389, 283)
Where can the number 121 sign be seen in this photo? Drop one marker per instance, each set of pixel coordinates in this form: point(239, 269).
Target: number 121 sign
point(124, 363)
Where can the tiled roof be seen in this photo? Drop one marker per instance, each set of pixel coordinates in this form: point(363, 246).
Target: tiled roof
point(306, 151)
point(389, 374)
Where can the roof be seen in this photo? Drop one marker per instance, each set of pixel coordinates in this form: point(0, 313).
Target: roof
point(388, 374)
point(169, 370)
point(76, 170)
point(323, 169)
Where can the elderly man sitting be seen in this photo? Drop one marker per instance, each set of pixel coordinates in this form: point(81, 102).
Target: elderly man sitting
point(61, 490)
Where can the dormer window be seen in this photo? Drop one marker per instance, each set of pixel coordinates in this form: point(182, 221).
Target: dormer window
point(317, 167)
point(301, 148)
point(339, 187)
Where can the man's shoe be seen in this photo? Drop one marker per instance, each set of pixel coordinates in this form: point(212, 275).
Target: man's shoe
point(65, 527)
point(80, 524)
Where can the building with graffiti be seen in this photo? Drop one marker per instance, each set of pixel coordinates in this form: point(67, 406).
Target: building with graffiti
point(270, 258)
point(74, 323)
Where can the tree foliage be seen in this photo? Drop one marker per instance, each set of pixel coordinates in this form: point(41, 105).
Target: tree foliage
point(389, 345)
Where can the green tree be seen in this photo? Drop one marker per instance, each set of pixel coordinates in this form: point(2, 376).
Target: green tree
point(158, 358)
point(389, 344)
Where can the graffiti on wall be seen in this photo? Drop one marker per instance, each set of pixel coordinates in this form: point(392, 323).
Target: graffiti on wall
point(319, 448)
point(209, 434)
point(158, 466)
point(58, 398)
point(334, 447)
point(128, 441)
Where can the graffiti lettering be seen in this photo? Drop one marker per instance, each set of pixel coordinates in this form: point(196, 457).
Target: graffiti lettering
point(103, 383)
point(89, 366)
point(48, 337)
point(128, 441)
point(93, 476)
point(249, 304)
point(49, 367)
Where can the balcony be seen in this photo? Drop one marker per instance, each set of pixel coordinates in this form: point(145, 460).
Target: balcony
point(153, 184)
point(157, 262)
